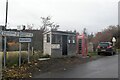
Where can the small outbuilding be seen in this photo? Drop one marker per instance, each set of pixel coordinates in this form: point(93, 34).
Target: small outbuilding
point(59, 43)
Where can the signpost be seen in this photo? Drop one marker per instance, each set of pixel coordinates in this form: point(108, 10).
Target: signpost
point(19, 54)
point(16, 34)
point(28, 52)
point(24, 34)
point(24, 40)
point(5, 51)
point(0, 66)
point(5, 36)
point(21, 40)
point(113, 40)
point(10, 33)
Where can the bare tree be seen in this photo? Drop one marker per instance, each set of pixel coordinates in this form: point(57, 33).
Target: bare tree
point(85, 31)
point(46, 23)
point(55, 27)
point(30, 26)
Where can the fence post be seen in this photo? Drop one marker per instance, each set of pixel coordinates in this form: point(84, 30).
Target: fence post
point(19, 54)
point(28, 52)
point(5, 51)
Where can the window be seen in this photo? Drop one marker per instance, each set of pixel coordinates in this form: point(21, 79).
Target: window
point(56, 38)
point(80, 44)
point(71, 39)
point(48, 38)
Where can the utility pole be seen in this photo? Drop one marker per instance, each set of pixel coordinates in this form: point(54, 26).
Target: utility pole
point(4, 35)
point(6, 14)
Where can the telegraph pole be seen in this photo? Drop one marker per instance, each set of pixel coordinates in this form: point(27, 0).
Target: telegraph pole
point(4, 35)
point(6, 14)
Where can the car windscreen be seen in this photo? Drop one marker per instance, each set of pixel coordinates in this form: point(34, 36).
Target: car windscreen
point(104, 44)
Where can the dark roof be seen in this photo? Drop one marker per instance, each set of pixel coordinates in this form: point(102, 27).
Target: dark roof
point(106, 42)
point(61, 32)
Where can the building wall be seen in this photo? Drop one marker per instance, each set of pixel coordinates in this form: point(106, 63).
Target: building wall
point(72, 49)
point(37, 39)
point(56, 53)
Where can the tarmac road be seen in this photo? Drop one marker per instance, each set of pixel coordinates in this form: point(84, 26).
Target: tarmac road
point(106, 67)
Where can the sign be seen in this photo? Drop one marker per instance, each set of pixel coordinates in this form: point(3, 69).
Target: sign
point(24, 39)
point(24, 34)
point(10, 33)
point(113, 39)
point(55, 46)
point(16, 34)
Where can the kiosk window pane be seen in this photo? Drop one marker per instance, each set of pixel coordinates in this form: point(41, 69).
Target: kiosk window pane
point(56, 38)
point(48, 37)
point(71, 39)
point(53, 38)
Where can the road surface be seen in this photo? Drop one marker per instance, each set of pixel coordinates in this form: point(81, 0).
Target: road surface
point(106, 67)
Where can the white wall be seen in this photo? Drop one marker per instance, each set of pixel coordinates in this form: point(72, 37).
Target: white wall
point(46, 46)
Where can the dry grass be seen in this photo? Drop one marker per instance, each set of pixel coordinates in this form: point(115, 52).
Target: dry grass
point(13, 56)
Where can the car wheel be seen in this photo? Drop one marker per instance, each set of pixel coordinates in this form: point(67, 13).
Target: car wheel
point(98, 53)
point(112, 53)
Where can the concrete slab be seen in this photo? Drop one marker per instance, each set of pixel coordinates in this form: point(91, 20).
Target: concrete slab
point(42, 59)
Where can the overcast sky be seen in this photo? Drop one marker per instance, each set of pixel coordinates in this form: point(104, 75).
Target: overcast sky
point(94, 15)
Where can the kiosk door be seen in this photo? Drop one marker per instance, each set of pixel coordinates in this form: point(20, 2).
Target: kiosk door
point(80, 46)
point(64, 45)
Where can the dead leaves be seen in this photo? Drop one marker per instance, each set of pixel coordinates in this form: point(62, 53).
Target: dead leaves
point(17, 72)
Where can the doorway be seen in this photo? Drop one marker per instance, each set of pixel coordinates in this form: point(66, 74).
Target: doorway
point(64, 45)
point(80, 46)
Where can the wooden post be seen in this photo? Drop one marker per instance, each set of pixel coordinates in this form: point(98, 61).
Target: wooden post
point(28, 52)
point(5, 51)
point(32, 51)
point(19, 54)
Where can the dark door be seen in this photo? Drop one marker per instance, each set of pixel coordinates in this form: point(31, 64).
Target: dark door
point(80, 46)
point(64, 45)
